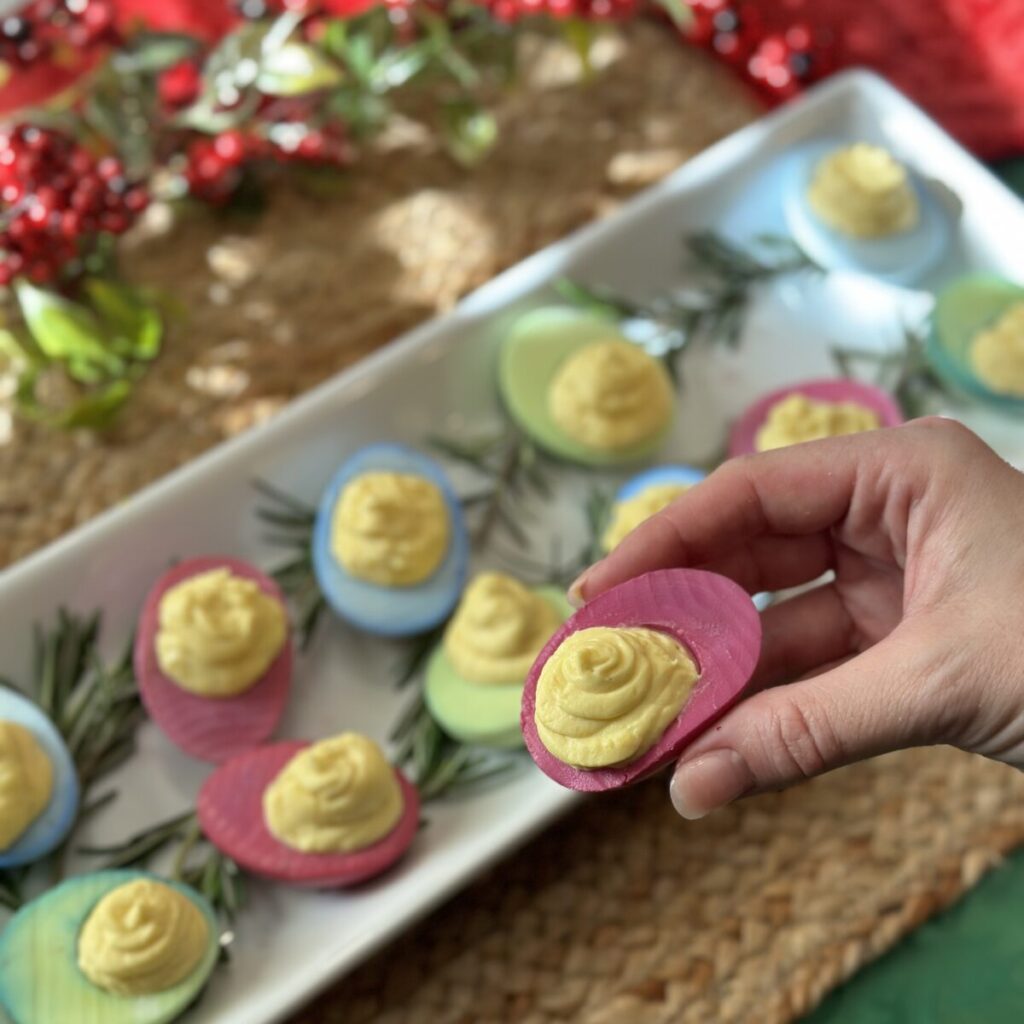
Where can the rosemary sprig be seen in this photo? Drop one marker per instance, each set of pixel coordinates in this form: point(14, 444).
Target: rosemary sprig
point(12, 894)
point(416, 654)
point(196, 861)
point(291, 524)
point(513, 466)
point(906, 374)
point(95, 708)
point(711, 308)
point(440, 765)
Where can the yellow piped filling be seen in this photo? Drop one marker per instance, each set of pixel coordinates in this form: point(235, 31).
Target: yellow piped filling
point(498, 630)
point(218, 633)
point(391, 529)
point(26, 781)
point(863, 191)
point(335, 796)
point(607, 694)
point(610, 395)
point(798, 418)
point(142, 938)
point(997, 353)
point(627, 515)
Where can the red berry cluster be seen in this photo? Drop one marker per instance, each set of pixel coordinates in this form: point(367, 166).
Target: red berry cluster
point(54, 197)
point(215, 165)
point(779, 63)
point(41, 29)
point(594, 10)
point(179, 85)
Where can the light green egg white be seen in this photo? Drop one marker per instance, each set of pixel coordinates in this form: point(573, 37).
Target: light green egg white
point(487, 714)
point(531, 353)
point(40, 982)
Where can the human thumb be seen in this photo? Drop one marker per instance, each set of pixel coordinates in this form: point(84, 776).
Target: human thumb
point(878, 701)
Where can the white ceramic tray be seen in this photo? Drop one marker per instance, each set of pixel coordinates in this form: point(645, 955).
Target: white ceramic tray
point(440, 377)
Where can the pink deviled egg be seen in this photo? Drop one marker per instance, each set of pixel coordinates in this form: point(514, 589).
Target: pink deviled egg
point(601, 709)
point(822, 400)
point(178, 639)
point(340, 784)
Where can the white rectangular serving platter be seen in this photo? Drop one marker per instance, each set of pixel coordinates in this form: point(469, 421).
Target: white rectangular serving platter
point(439, 378)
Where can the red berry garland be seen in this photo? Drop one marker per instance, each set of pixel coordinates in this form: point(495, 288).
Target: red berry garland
point(55, 197)
point(41, 30)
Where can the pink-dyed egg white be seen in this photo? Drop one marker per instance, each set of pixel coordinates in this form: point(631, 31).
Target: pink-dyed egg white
point(231, 815)
point(743, 437)
point(211, 729)
point(710, 616)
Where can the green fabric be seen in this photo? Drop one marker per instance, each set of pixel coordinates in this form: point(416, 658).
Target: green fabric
point(965, 966)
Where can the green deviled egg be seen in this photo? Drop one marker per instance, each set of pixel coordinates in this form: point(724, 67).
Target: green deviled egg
point(114, 947)
point(474, 678)
point(582, 391)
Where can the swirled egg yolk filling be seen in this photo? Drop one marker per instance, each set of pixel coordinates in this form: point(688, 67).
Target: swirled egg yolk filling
point(863, 191)
point(798, 418)
point(997, 353)
point(391, 529)
point(335, 796)
point(610, 395)
point(142, 938)
point(498, 630)
point(606, 695)
point(218, 633)
point(26, 781)
point(629, 514)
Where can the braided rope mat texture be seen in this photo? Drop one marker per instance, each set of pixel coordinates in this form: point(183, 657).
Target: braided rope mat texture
point(621, 914)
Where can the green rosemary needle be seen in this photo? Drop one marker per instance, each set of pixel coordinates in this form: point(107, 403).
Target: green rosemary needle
point(291, 530)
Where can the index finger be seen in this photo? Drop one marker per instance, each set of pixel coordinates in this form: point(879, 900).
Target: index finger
point(795, 492)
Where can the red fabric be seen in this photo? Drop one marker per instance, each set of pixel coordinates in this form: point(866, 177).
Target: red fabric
point(962, 60)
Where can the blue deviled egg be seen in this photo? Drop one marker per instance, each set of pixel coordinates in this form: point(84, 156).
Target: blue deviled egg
point(644, 495)
point(39, 791)
point(390, 547)
point(856, 207)
point(121, 947)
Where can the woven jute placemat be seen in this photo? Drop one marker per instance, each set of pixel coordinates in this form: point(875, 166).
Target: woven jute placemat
point(622, 913)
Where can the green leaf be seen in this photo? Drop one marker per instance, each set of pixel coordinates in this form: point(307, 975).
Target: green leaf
point(398, 67)
point(135, 326)
point(151, 52)
point(68, 333)
point(469, 133)
point(97, 409)
point(678, 11)
point(294, 69)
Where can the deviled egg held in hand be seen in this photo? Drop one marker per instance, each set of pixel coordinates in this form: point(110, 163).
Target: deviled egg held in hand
point(976, 342)
point(581, 390)
point(324, 814)
point(390, 549)
point(810, 411)
point(474, 678)
point(121, 947)
point(857, 207)
point(636, 674)
point(213, 656)
point(39, 791)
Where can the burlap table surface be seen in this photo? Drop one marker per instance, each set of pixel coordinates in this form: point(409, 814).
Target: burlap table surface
point(622, 913)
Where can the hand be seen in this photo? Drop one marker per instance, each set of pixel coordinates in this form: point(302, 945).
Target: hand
point(919, 638)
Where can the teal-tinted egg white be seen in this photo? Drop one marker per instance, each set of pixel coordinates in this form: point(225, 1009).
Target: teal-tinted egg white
point(41, 983)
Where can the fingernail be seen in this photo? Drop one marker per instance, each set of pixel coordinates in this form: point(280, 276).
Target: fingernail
point(574, 594)
point(708, 782)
